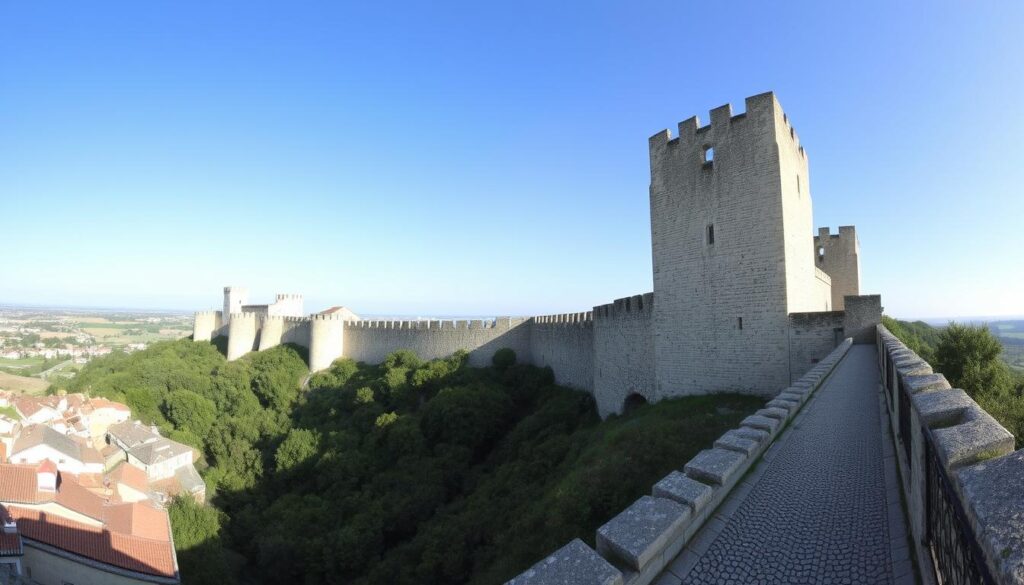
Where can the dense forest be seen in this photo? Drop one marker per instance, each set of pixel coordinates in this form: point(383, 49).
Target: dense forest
point(971, 358)
point(404, 472)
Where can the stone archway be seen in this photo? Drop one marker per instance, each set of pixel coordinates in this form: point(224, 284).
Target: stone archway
point(633, 401)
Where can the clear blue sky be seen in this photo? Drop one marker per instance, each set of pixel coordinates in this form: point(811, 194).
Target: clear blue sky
point(485, 158)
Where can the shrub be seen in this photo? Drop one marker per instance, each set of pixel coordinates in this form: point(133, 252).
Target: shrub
point(503, 359)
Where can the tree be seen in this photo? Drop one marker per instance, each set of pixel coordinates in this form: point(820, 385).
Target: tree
point(504, 359)
point(969, 358)
point(298, 447)
point(198, 543)
point(190, 411)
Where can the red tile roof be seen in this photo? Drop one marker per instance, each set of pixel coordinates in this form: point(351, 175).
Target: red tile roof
point(18, 483)
point(98, 403)
point(74, 496)
point(131, 476)
point(134, 553)
point(138, 519)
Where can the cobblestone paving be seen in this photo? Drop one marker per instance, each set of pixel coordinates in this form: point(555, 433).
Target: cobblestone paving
point(818, 513)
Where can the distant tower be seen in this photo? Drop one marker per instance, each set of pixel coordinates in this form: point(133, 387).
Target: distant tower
point(839, 256)
point(731, 228)
point(234, 298)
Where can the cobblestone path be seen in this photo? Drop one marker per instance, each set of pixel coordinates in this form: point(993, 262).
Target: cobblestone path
point(821, 507)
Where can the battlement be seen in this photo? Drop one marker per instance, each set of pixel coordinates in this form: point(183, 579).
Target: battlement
point(285, 319)
point(208, 313)
point(245, 315)
point(762, 109)
point(325, 317)
point(845, 232)
point(582, 318)
point(285, 297)
point(635, 305)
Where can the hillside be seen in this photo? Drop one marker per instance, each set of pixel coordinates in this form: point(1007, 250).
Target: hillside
point(406, 472)
point(22, 384)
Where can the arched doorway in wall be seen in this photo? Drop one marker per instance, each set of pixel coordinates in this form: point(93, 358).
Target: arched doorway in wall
point(633, 401)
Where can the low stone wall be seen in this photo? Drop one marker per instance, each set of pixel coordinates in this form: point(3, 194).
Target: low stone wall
point(635, 546)
point(961, 480)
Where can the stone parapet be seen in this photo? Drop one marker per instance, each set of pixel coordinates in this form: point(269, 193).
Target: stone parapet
point(642, 539)
point(960, 476)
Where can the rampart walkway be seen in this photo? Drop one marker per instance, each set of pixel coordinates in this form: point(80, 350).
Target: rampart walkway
point(821, 507)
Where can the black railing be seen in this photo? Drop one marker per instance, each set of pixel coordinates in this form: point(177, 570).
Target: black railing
point(955, 553)
point(904, 414)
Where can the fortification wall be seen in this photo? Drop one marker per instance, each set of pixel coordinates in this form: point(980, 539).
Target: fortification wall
point(624, 352)
point(565, 343)
point(275, 330)
point(719, 251)
point(206, 325)
point(326, 340)
point(812, 336)
point(839, 256)
point(371, 341)
point(243, 333)
point(863, 313)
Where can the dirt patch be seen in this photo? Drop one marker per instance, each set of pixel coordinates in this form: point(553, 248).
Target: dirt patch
point(22, 384)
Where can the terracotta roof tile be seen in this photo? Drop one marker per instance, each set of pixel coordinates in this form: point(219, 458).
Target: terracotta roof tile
point(77, 497)
point(98, 403)
point(130, 476)
point(18, 483)
point(134, 553)
point(138, 519)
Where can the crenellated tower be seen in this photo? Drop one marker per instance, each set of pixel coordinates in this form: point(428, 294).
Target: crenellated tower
point(730, 228)
point(234, 298)
point(838, 255)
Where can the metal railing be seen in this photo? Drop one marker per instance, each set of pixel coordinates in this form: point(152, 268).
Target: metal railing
point(956, 555)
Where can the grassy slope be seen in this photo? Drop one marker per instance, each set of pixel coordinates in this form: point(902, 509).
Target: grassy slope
point(636, 450)
point(23, 384)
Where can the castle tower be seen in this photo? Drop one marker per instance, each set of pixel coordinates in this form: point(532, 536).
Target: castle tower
point(731, 230)
point(234, 298)
point(286, 305)
point(839, 256)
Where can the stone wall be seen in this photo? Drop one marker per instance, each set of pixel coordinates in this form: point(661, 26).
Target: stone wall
point(243, 334)
point(721, 235)
point(811, 337)
point(326, 340)
point(565, 343)
point(623, 352)
point(942, 433)
point(206, 325)
point(372, 341)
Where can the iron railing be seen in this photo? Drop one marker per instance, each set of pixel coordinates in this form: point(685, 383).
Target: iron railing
point(956, 555)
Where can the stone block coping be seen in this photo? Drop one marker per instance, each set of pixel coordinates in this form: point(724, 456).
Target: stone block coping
point(925, 382)
point(761, 422)
point(573, 564)
point(980, 437)
point(942, 407)
point(642, 532)
point(779, 413)
point(716, 466)
point(685, 490)
point(751, 433)
point(733, 442)
point(992, 490)
point(790, 406)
